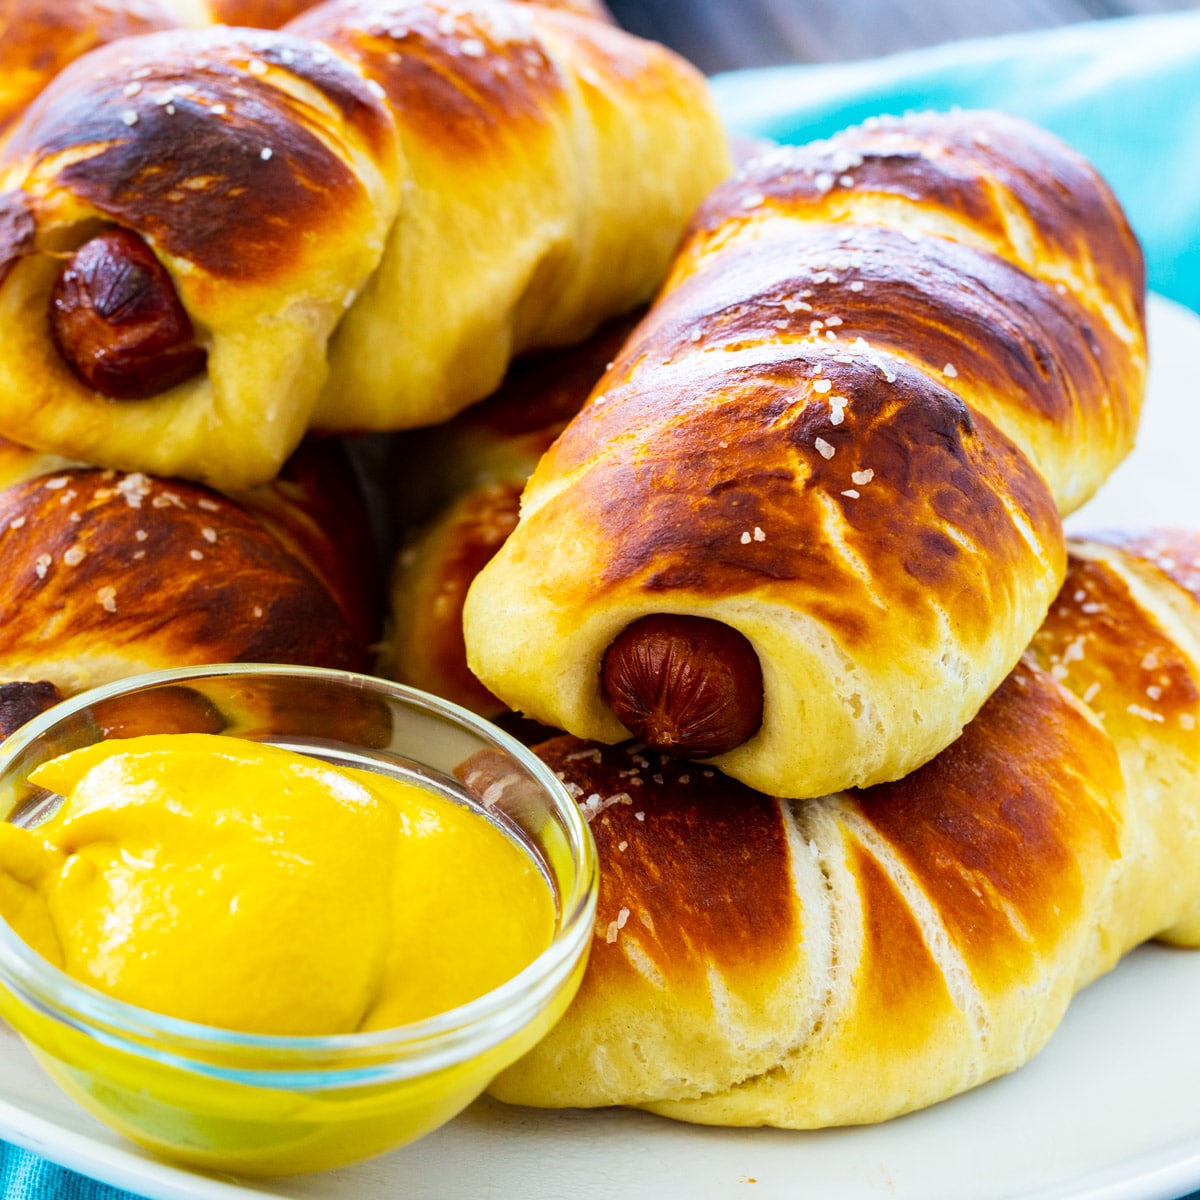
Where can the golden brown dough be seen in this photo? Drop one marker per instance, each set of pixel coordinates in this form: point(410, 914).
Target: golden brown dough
point(848, 959)
point(880, 368)
point(363, 216)
point(38, 38)
point(107, 574)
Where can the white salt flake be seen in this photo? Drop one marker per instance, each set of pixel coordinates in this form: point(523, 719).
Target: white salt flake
point(824, 449)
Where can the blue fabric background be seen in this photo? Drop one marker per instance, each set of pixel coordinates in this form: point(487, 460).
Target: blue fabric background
point(1125, 93)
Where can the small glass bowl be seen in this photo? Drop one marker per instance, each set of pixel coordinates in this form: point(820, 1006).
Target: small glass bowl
point(262, 1105)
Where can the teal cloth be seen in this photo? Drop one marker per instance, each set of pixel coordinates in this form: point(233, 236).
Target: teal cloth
point(24, 1176)
point(1125, 93)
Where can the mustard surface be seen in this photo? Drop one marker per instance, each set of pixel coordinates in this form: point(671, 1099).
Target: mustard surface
point(247, 887)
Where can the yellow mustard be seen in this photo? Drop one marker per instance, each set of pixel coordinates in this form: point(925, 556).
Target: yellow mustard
point(250, 888)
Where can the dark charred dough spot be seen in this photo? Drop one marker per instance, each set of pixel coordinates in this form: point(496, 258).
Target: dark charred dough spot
point(20, 702)
point(16, 230)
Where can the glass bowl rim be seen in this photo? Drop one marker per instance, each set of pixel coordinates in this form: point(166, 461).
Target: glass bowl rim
point(450, 1036)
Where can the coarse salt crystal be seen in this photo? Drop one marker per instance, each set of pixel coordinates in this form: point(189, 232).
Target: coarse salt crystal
point(759, 536)
point(1146, 714)
point(852, 493)
point(129, 117)
point(861, 477)
point(473, 48)
point(197, 555)
point(824, 449)
point(950, 371)
point(106, 597)
point(73, 556)
point(822, 385)
point(856, 286)
point(135, 488)
point(266, 153)
point(42, 565)
point(745, 538)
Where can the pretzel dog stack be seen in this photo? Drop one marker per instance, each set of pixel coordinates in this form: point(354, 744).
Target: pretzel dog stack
point(212, 240)
point(829, 466)
point(847, 959)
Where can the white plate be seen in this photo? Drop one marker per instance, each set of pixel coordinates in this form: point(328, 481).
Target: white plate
point(1109, 1111)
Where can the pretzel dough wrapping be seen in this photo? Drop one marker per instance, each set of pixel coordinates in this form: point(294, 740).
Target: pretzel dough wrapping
point(881, 367)
point(362, 218)
point(848, 959)
point(108, 574)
